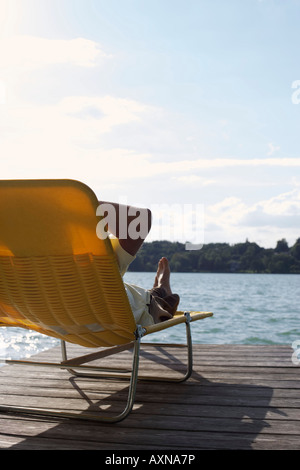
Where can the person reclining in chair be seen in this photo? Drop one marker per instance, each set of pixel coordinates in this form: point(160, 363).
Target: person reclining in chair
point(148, 306)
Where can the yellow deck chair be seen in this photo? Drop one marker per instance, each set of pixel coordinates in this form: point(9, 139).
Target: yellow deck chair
point(59, 278)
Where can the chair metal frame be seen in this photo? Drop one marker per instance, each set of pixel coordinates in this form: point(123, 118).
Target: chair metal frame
point(75, 367)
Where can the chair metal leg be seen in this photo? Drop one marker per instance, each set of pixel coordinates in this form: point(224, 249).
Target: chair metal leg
point(75, 367)
point(101, 372)
point(84, 416)
point(86, 371)
point(189, 347)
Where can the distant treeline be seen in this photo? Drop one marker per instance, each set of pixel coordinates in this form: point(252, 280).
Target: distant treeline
point(221, 258)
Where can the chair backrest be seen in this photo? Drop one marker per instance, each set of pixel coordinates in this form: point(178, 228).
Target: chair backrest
point(56, 275)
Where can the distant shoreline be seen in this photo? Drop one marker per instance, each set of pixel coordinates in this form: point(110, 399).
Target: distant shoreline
point(218, 272)
point(244, 258)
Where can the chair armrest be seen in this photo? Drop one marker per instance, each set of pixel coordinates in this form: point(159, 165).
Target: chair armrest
point(178, 318)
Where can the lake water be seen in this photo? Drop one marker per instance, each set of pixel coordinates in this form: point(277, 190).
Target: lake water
point(248, 309)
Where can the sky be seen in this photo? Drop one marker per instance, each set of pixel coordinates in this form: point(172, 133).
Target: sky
point(188, 107)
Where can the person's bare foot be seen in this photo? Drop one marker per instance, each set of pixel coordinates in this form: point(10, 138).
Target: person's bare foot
point(162, 278)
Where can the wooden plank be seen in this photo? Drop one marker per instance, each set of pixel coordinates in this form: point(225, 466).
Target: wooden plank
point(234, 400)
point(124, 434)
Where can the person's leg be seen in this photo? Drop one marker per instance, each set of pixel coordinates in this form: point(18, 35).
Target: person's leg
point(163, 303)
point(162, 278)
point(131, 226)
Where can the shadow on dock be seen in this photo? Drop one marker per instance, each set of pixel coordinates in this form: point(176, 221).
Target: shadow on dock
point(206, 412)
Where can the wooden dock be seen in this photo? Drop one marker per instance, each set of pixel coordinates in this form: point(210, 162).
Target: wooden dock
point(239, 397)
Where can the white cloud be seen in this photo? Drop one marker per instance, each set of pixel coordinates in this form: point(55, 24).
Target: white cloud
point(272, 148)
point(194, 180)
point(286, 204)
point(2, 92)
point(228, 212)
point(264, 222)
point(233, 211)
point(80, 118)
point(65, 140)
point(186, 166)
point(76, 126)
point(101, 113)
point(30, 52)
